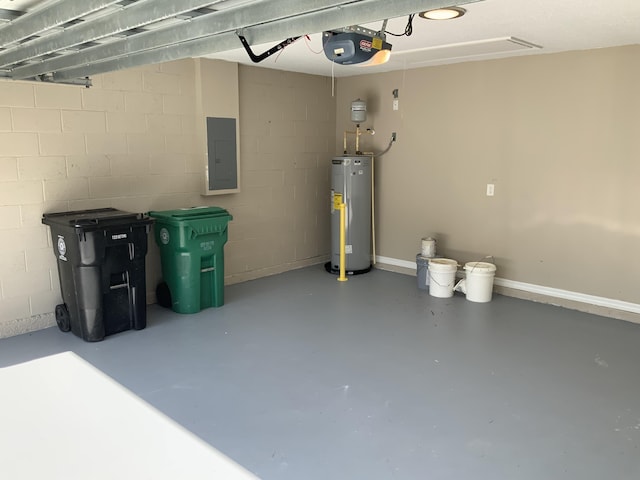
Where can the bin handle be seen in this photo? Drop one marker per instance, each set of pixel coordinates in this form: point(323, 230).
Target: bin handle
point(87, 221)
point(194, 232)
point(199, 218)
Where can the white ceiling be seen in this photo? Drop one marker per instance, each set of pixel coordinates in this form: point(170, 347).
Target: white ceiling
point(554, 25)
point(490, 29)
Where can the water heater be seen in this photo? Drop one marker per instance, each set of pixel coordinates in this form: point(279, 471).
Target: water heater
point(351, 178)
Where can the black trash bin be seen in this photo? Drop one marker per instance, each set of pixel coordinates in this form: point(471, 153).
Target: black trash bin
point(101, 266)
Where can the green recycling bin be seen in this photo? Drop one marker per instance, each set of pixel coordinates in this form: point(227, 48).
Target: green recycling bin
point(191, 242)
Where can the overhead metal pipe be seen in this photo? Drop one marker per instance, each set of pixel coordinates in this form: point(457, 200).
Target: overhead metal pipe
point(85, 82)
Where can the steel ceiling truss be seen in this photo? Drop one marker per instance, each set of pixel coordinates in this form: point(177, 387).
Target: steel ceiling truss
point(68, 40)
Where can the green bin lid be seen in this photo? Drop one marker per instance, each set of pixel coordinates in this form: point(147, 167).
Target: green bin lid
point(193, 213)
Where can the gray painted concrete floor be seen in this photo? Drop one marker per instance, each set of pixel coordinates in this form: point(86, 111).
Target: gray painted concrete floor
point(299, 376)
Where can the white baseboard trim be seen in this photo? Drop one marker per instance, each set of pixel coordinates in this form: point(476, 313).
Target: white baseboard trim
point(396, 263)
point(550, 292)
point(569, 295)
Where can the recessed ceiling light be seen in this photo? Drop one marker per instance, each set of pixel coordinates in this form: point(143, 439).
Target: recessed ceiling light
point(448, 13)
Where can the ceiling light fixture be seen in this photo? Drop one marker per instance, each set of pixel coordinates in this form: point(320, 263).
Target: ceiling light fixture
point(448, 13)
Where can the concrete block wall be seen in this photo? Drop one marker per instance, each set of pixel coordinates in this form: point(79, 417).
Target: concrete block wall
point(282, 216)
point(131, 142)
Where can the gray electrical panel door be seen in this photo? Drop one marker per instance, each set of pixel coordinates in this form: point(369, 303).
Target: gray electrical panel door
point(222, 156)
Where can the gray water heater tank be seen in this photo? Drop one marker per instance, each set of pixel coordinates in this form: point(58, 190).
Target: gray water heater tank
point(351, 177)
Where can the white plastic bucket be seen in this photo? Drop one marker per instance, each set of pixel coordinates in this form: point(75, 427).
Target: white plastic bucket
point(442, 277)
point(478, 284)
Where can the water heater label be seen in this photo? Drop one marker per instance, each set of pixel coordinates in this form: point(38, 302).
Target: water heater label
point(348, 249)
point(337, 200)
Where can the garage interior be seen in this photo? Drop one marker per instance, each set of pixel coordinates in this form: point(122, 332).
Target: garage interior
point(104, 104)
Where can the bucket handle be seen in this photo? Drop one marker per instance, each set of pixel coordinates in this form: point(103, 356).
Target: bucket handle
point(493, 260)
point(461, 286)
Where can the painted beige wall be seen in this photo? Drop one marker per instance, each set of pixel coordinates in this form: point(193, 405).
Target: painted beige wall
point(134, 142)
point(558, 135)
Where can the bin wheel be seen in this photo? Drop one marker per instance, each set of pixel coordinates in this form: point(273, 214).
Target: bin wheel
point(62, 317)
point(163, 295)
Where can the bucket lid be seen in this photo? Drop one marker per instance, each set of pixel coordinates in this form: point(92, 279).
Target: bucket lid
point(480, 267)
point(444, 263)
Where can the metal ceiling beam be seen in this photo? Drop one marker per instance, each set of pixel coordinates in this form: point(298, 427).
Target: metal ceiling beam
point(206, 25)
point(9, 15)
point(50, 16)
point(365, 11)
point(136, 15)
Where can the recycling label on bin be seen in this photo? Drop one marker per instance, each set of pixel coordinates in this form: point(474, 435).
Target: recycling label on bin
point(164, 236)
point(62, 248)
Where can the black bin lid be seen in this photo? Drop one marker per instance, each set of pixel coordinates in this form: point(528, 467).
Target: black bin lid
point(94, 219)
